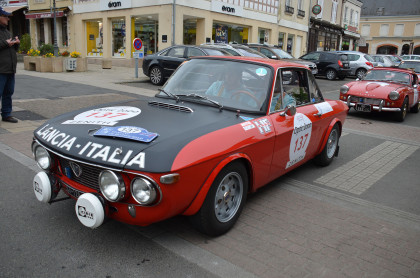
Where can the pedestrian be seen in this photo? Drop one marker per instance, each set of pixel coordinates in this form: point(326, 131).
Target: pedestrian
point(8, 61)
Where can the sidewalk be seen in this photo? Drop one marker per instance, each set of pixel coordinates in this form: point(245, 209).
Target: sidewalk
point(287, 229)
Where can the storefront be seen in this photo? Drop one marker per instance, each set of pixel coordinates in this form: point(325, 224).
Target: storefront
point(350, 38)
point(229, 33)
point(323, 36)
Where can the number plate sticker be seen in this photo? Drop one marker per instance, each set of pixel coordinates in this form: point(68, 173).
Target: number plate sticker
point(300, 139)
point(127, 132)
point(362, 107)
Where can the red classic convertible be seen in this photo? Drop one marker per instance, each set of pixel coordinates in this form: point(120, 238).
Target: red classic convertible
point(220, 128)
point(384, 89)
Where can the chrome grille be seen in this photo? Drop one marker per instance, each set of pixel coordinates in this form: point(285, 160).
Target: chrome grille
point(363, 100)
point(89, 176)
point(171, 106)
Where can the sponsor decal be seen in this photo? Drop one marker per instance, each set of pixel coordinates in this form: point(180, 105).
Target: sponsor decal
point(300, 139)
point(37, 187)
point(90, 149)
point(263, 125)
point(323, 107)
point(77, 170)
point(127, 132)
point(107, 116)
point(247, 126)
point(83, 212)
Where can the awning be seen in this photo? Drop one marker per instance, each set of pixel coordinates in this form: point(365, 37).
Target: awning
point(59, 12)
point(11, 9)
point(351, 34)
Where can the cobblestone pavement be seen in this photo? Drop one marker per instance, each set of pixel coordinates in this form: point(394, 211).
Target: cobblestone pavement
point(289, 228)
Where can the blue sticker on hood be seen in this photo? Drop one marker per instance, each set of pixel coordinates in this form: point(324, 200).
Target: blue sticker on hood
point(127, 132)
point(246, 118)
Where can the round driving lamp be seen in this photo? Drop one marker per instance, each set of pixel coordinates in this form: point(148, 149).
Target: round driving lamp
point(111, 185)
point(42, 157)
point(143, 191)
point(344, 89)
point(394, 95)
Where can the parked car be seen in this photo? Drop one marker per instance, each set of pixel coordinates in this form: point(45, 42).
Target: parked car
point(410, 57)
point(236, 49)
point(386, 60)
point(159, 66)
point(411, 64)
point(384, 89)
point(274, 52)
point(188, 151)
point(360, 63)
point(329, 64)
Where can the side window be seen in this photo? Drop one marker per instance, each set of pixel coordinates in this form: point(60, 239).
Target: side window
point(295, 87)
point(192, 51)
point(314, 92)
point(266, 52)
point(324, 57)
point(312, 56)
point(177, 52)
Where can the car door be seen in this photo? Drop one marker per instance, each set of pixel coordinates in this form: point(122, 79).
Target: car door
point(173, 59)
point(298, 136)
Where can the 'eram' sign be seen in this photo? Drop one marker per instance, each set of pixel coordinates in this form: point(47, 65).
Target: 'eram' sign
point(109, 5)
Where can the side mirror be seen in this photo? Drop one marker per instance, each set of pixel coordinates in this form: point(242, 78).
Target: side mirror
point(289, 111)
point(274, 57)
point(357, 79)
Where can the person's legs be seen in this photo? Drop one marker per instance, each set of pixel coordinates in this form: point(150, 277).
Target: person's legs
point(7, 87)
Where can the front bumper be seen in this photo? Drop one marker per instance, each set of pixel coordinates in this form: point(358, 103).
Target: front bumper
point(378, 108)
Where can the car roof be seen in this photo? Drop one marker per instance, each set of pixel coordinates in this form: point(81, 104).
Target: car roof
point(394, 69)
point(269, 62)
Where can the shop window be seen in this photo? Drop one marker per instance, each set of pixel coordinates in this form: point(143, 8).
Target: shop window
point(321, 41)
point(65, 38)
point(263, 36)
point(118, 38)
point(290, 38)
point(94, 40)
point(281, 39)
point(41, 38)
point(190, 31)
point(147, 30)
point(384, 30)
point(229, 34)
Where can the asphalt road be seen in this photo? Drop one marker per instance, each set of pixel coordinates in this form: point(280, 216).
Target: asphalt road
point(38, 241)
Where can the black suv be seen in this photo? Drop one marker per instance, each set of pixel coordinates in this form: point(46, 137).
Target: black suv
point(330, 64)
point(275, 52)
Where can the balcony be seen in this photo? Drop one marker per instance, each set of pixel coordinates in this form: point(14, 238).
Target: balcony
point(301, 13)
point(289, 10)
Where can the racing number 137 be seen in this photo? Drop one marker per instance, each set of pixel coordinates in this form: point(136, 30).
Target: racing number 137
point(300, 142)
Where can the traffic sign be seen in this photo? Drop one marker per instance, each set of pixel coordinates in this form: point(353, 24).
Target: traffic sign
point(137, 44)
point(138, 55)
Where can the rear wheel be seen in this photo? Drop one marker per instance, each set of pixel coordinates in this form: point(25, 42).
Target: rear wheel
point(330, 149)
point(156, 76)
point(331, 74)
point(360, 73)
point(401, 114)
point(224, 201)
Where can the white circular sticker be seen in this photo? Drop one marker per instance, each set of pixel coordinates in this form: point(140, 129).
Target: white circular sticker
point(300, 139)
point(105, 115)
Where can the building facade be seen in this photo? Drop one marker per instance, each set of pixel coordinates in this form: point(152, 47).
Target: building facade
point(350, 19)
point(390, 27)
point(18, 25)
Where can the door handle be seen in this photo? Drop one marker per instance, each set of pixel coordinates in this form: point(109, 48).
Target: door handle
point(319, 114)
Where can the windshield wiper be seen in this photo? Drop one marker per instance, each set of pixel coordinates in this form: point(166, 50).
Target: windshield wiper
point(201, 97)
point(169, 94)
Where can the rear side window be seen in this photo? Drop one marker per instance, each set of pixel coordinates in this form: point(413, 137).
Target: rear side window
point(367, 57)
point(327, 57)
point(312, 56)
point(176, 52)
point(344, 57)
point(353, 57)
point(192, 51)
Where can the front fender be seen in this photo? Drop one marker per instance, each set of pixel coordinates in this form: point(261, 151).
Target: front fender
point(325, 138)
point(201, 196)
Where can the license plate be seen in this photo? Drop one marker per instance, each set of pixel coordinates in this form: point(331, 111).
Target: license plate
point(314, 72)
point(362, 107)
point(72, 191)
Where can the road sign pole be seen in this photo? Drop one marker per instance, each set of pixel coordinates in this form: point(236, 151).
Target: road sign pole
point(137, 68)
point(138, 46)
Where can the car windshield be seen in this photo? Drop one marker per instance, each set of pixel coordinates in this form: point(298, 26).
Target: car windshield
point(388, 75)
point(233, 85)
point(410, 65)
point(282, 54)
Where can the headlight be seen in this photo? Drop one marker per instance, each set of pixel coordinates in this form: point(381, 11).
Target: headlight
point(112, 186)
point(143, 191)
point(42, 157)
point(394, 95)
point(344, 89)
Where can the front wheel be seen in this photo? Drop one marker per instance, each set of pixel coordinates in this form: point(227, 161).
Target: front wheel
point(401, 114)
point(360, 73)
point(330, 149)
point(224, 201)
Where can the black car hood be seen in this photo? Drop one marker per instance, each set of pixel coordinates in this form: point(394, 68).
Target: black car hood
point(73, 134)
point(302, 62)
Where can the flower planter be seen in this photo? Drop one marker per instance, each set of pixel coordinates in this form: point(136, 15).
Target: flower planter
point(51, 64)
point(31, 63)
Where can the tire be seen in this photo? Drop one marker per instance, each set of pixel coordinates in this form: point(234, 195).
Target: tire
point(224, 201)
point(327, 155)
point(341, 77)
point(360, 73)
point(415, 108)
point(331, 74)
point(404, 109)
point(156, 75)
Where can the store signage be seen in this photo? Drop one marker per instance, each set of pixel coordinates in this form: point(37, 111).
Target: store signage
point(109, 5)
point(226, 8)
point(44, 15)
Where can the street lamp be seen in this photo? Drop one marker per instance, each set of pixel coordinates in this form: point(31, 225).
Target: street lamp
point(55, 32)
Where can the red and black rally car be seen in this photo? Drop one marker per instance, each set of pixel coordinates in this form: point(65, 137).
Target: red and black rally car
point(221, 127)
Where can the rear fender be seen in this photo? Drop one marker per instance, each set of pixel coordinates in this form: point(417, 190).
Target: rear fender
point(325, 138)
point(201, 196)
